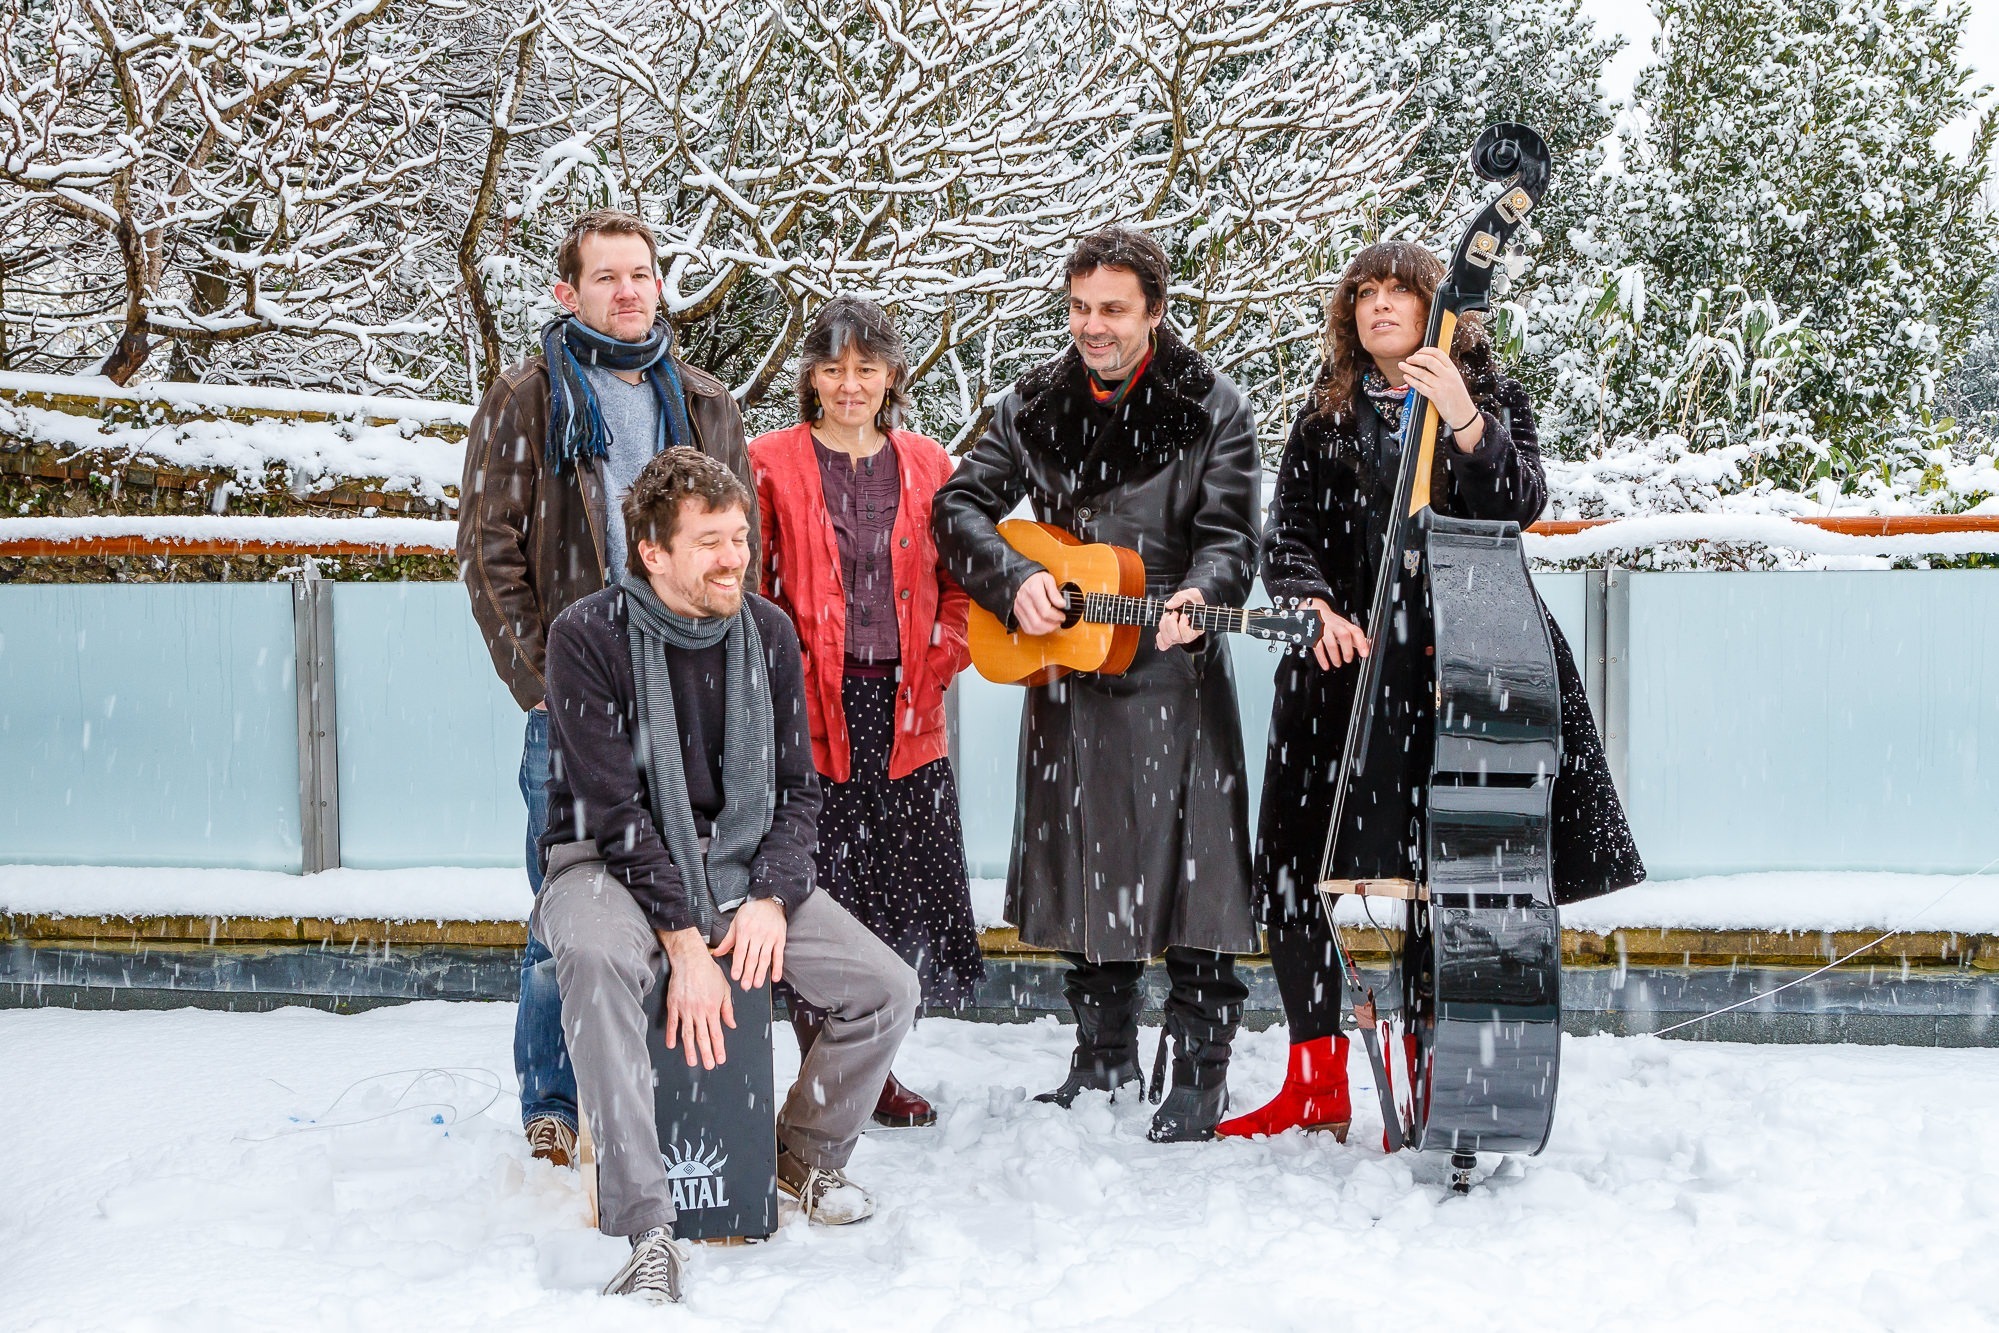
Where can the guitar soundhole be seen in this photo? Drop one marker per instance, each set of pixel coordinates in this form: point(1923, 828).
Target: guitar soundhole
point(1072, 594)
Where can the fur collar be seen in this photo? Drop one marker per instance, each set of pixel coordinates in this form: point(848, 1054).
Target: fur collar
point(1161, 419)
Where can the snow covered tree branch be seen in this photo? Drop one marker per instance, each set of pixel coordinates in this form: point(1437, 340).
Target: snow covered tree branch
point(252, 165)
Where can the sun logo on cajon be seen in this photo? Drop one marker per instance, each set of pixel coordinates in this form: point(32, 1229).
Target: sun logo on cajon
point(696, 1177)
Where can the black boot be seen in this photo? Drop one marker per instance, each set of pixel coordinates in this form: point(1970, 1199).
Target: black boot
point(1106, 1055)
point(1189, 1114)
point(1201, 1018)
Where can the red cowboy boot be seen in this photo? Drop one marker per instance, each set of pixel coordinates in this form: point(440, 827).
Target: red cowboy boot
point(1409, 1050)
point(1314, 1095)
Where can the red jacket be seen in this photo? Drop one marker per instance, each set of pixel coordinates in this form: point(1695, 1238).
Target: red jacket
point(801, 573)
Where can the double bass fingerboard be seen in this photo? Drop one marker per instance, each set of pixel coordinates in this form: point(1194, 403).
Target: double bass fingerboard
point(1107, 608)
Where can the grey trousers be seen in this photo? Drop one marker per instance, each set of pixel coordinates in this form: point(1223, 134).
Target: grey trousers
point(607, 961)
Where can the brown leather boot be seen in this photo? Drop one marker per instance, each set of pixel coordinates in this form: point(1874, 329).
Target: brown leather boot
point(899, 1108)
point(552, 1141)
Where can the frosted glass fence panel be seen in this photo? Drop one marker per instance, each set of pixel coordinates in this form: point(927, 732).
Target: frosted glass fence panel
point(1814, 721)
point(1774, 721)
point(1566, 596)
point(987, 766)
point(430, 741)
point(148, 724)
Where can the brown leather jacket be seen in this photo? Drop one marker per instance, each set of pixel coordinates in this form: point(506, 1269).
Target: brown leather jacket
point(531, 542)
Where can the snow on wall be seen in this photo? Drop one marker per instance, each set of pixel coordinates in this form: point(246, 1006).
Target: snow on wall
point(381, 439)
point(1781, 901)
point(1770, 530)
point(440, 893)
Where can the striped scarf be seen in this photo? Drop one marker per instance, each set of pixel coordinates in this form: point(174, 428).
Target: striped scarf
point(575, 421)
point(1111, 396)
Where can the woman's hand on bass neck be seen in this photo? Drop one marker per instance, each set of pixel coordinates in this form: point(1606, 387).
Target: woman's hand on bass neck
point(1434, 375)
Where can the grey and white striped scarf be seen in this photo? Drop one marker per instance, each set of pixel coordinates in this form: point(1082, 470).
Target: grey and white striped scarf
point(719, 881)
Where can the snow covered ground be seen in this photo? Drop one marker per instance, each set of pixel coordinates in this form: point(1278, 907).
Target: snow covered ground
point(296, 1170)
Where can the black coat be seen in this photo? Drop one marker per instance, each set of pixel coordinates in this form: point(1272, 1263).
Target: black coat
point(1326, 523)
point(1131, 832)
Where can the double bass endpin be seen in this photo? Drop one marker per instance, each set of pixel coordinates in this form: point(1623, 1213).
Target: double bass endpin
point(1462, 1165)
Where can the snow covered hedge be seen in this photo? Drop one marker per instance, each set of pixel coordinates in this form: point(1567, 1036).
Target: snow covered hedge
point(215, 442)
point(281, 452)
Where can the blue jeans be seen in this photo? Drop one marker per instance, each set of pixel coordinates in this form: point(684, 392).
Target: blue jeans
point(541, 1057)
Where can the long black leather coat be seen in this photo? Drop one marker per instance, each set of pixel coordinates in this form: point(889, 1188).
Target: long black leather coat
point(1325, 529)
point(1131, 829)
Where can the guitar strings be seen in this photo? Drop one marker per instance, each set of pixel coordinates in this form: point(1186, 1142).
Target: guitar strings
point(1116, 609)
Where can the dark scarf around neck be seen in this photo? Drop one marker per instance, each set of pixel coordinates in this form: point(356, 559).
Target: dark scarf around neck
point(576, 427)
point(1161, 414)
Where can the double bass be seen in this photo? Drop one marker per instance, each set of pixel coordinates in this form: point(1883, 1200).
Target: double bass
point(1474, 1030)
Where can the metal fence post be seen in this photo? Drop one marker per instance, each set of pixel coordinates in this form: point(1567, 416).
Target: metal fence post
point(1616, 714)
point(318, 732)
point(1595, 645)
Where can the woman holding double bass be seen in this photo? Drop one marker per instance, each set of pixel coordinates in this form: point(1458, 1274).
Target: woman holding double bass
point(1322, 544)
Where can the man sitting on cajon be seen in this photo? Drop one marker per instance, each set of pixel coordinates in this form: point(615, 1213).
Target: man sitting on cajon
point(682, 814)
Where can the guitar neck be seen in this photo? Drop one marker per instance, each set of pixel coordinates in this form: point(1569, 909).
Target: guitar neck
point(1103, 608)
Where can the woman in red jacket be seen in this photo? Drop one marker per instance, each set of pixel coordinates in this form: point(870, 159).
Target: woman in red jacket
point(845, 498)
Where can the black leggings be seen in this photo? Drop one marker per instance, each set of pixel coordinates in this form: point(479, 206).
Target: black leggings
point(1308, 977)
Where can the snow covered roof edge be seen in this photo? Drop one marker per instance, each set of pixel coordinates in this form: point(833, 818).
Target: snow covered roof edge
point(238, 398)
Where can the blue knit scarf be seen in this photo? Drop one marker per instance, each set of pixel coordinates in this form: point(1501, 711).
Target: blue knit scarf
point(575, 421)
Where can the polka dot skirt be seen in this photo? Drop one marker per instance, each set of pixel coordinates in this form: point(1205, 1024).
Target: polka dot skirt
point(893, 852)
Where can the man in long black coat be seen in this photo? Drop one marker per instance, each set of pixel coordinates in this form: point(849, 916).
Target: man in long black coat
point(1131, 832)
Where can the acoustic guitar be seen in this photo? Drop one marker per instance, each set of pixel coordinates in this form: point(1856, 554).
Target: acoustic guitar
point(1108, 611)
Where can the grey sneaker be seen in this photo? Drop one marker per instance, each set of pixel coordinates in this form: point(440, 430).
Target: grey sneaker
point(654, 1271)
point(824, 1194)
point(552, 1140)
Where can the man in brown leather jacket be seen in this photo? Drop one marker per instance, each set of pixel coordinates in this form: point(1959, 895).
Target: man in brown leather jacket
point(554, 445)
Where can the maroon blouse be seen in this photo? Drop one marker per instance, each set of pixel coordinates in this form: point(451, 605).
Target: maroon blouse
point(862, 500)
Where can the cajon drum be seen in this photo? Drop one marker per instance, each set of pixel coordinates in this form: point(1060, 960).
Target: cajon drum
point(718, 1127)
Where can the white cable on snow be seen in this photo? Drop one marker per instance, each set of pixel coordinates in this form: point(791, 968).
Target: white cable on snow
point(1799, 981)
point(487, 1080)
